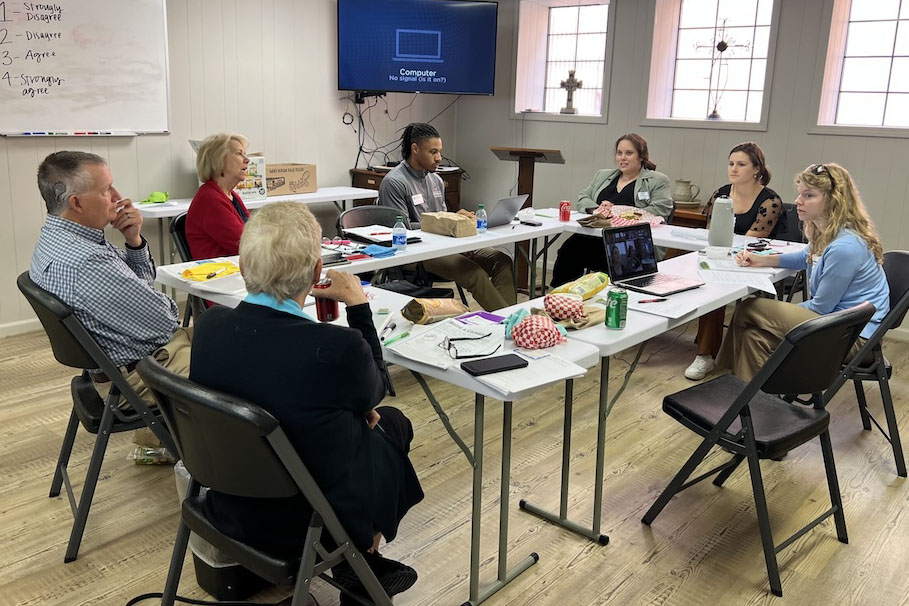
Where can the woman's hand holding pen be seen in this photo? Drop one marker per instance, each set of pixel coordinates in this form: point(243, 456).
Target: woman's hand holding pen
point(749, 259)
point(345, 287)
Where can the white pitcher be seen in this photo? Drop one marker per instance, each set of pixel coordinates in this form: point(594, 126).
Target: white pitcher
point(683, 190)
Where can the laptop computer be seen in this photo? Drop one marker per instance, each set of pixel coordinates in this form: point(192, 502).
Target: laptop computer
point(505, 211)
point(632, 262)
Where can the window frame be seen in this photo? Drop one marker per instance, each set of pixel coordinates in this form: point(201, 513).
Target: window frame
point(663, 24)
point(541, 116)
point(825, 91)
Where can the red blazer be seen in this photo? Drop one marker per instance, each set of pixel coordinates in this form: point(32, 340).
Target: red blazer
point(213, 225)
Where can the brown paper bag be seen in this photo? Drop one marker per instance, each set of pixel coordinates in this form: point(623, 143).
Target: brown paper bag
point(448, 224)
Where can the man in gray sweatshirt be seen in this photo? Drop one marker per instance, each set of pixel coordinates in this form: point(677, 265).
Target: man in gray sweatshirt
point(413, 187)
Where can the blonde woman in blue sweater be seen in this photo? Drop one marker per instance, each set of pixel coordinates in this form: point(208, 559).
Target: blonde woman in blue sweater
point(843, 261)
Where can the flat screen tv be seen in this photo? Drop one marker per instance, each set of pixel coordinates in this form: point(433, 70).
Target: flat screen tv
point(425, 46)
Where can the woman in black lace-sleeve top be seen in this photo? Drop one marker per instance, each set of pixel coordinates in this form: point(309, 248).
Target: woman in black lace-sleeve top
point(757, 211)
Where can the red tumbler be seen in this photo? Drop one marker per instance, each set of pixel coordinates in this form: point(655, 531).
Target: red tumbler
point(326, 309)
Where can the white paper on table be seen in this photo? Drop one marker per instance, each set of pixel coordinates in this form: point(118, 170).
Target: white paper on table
point(673, 307)
point(553, 213)
point(692, 233)
point(732, 265)
point(759, 281)
point(425, 346)
point(232, 284)
point(379, 234)
point(538, 372)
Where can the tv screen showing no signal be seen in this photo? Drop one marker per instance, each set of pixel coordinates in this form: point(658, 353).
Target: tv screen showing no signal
point(427, 46)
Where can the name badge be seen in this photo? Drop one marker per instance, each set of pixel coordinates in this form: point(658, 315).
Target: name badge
point(417, 199)
point(436, 192)
point(644, 196)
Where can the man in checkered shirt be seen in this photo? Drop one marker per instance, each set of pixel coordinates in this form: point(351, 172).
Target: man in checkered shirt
point(110, 290)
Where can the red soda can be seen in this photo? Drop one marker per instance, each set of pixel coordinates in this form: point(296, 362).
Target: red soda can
point(326, 309)
point(564, 210)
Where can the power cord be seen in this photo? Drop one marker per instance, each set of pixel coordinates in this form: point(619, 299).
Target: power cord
point(185, 600)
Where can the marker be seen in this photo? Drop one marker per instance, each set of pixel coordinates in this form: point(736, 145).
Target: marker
point(657, 300)
point(396, 339)
point(380, 233)
point(390, 327)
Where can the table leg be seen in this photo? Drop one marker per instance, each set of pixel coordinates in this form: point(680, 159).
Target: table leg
point(592, 532)
point(533, 268)
point(504, 575)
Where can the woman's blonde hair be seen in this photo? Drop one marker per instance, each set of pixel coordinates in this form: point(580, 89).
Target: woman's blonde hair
point(843, 208)
point(279, 250)
point(213, 153)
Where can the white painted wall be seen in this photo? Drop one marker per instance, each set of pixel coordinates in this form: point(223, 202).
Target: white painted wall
point(267, 68)
point(877, 163)
point(264, 68)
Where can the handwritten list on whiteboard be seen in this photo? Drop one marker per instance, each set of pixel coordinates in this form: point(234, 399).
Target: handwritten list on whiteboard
point(83, 66)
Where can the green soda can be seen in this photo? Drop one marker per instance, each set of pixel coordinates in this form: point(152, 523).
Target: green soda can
point(616, 308)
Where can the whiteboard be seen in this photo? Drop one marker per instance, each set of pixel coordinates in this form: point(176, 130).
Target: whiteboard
point(83, 66)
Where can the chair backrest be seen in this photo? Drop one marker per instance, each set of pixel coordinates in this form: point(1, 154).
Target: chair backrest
point(896, 267)
point(222, 439)
point(811, 355)
point(178, 235)
point(788, 227)
point(69, 340)
point(361, 216)
point(671, 214)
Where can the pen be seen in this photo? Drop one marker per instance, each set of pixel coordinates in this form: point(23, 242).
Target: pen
point(396, 338)
point(380, 233)
point(657, 300)
point(388, 327)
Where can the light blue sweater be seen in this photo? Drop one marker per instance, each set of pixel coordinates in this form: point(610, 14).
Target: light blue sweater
point(846, 274)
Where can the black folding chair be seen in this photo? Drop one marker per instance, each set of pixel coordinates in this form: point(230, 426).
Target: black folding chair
point(73, 346)
point(194, 305)
point(234, 447)
point(744, 419)
point(869, 364)
point(790, 229)
point(373, 214)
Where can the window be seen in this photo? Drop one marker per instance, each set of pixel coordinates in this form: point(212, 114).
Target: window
point(866, 79)
point(555, 36)
point(576, 41)
point(711, 60)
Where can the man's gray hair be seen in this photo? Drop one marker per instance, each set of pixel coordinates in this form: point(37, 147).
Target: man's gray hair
point(279, 250)
point(63, 174)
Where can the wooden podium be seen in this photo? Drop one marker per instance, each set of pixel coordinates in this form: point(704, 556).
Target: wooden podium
point(527, 159)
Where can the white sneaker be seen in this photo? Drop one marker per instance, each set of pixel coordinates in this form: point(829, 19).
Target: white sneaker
point(699, 368)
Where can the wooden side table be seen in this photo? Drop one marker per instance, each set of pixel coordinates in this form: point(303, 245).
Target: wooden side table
point(371, 179)
point(688, 216)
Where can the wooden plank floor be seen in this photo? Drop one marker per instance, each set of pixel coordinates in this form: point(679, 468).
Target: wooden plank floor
point(703, 549)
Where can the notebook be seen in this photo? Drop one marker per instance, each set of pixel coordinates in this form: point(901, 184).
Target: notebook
point(378, 234)
point(632, 262)
point(505, 211)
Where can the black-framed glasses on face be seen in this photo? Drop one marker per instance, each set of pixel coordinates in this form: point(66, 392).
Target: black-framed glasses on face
point(449, 345)
point(817, 169)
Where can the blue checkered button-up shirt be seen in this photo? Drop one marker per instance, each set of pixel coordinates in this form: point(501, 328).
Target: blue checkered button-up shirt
point(110, 290)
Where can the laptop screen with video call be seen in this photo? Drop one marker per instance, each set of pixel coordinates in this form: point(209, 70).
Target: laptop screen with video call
point(629, 251)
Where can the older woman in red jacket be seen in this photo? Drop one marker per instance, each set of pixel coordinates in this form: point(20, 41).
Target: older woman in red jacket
point(217, 214)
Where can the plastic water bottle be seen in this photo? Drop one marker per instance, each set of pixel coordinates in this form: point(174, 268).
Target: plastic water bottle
point(399, 235)
point(481, 219)
point(722, 223)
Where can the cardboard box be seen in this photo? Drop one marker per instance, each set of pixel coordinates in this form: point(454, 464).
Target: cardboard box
point(290, 179)
point(253, 187)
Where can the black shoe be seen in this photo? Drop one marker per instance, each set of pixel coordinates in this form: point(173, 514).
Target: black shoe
point(394, 577)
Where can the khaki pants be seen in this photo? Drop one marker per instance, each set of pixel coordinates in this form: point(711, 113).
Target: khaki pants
point(486, 273)
point(757, 328)
point(174, 356)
